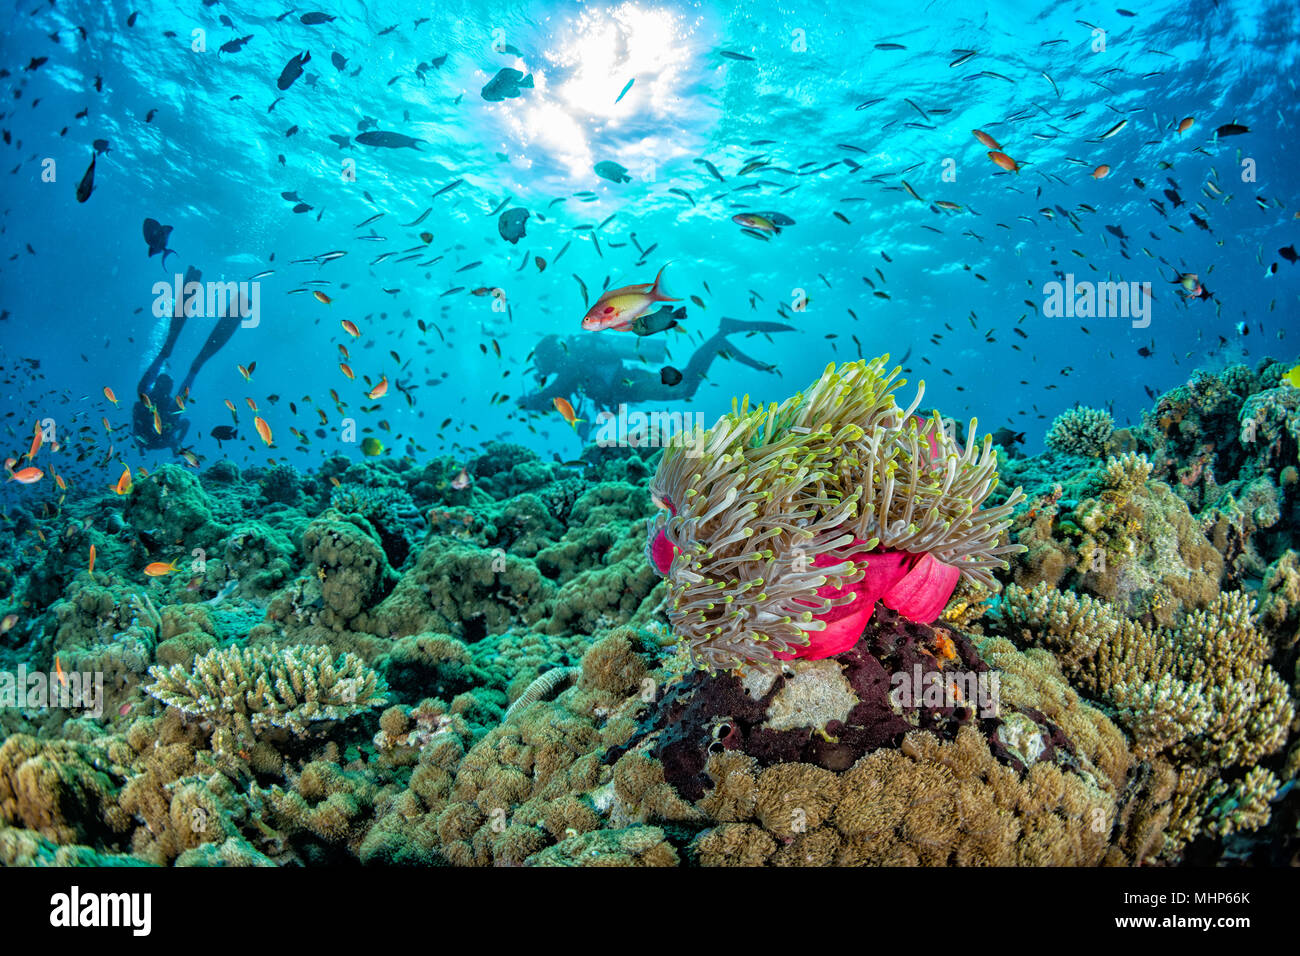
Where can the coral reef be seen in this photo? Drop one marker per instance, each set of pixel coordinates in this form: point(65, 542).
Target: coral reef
point(257, 689)
point(1199, 695)
point(389, 663)
point(1084, 432)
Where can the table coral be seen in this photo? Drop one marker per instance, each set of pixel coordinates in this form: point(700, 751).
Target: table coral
point(291, 689)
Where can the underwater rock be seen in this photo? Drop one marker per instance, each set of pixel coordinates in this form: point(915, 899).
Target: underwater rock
point(171, 506)
point(351, 565)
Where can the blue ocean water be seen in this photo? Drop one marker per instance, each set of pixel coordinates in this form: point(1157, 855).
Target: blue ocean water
point(448, 226)
point(853, 124)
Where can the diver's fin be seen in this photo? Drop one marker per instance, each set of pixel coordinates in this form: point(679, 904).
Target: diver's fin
point(731, 326)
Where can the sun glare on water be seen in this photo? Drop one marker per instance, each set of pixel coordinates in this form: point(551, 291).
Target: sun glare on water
point(572, 113)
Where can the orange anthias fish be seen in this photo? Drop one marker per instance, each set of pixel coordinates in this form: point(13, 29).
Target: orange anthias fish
point(231, 405)
point(350, 328)
point(347, 371)
point(380, 390)
point(1003, 161)
point(986, 139)
point(158, 569)
point(108, 394)
point(58, 671)
point(246, 372)
point(58, 480)
point(1101, 172)
point(322, 297)
point(618, 308)
point(1185, 125)
point(566, 411)
point(252, 405)
point(263, 428)
point(124, 486)
point(37, 439)
point(26, 476)
point(91, 567)
point(461, 480)
point(157, 422)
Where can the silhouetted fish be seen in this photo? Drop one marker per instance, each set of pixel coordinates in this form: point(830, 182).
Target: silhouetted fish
point(614, 172)
point(387, 140)
point(87, 184)
point(506, 85)
point(156, 235)
point(511, 224)
point(292, 70)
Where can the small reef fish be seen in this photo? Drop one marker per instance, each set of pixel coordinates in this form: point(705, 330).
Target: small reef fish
point(26, 476)
point(566, 411)
point(263, 429)
point(158, 569)
point(618, 308)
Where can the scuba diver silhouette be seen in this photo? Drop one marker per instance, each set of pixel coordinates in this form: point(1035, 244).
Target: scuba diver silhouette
point(611, 370)
point(158, 386)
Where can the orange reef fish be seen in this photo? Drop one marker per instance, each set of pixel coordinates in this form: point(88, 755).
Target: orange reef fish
point(158, 569)
point(263, 428)
point(618, 308)
point(350, 328)
point(91, 566)
point(380, 390)
point(986, 139)
point(346, 371)
point(108, 394)
point(1101, 172)
point(26, 476)
point(1003, 161)
point(124, 486)
point(322, 297)
point(566, 411)
point(461, 480)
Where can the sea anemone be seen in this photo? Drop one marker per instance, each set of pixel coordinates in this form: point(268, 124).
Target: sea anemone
point(783, 526)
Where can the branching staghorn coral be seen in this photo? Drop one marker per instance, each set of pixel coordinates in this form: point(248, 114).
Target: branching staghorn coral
point(1081, 431)
point(829, 474)
point(290, 688)
point(1200, 695)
